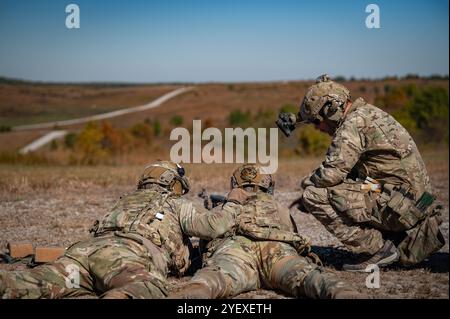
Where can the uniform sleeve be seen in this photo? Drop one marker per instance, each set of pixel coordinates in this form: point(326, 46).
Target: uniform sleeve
point(344, 152)
point(200, 222)
point(286, 218)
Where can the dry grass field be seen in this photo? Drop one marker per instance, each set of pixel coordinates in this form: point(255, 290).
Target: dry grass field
point(28, 104)
point(56, 205)
point(211, 103)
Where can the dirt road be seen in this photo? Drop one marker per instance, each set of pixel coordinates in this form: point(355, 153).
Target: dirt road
point(105, 116)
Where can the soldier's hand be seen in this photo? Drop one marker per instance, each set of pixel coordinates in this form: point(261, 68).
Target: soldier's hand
point(238, 196)
point(207, 203)
point(306, 181)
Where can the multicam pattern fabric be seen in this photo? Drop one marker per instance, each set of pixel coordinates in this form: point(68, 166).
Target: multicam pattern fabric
point(237, 263)
point(135, 247)
point(262, 218)
point(371, 143)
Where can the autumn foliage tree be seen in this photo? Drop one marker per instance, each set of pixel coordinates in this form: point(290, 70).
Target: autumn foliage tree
point(88, 145)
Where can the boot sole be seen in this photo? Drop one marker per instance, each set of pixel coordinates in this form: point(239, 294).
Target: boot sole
point(388, 260)
point(383, 262)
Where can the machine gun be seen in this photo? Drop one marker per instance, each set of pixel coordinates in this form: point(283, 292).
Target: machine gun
point(211, 201)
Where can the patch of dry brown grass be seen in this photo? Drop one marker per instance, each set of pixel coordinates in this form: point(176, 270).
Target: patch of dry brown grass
point(26, 104)
point(56, 205)
point(22, 178)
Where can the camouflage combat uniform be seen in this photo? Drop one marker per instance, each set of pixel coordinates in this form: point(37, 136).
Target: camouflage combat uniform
point(135, 247)
point(370, 143)
point(261, 251)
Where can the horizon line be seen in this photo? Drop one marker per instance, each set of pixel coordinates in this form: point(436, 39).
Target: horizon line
point(338, 78)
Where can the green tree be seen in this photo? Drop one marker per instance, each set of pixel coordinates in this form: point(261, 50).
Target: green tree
point(176, 120)
point(70, 139)
point(5, 128)
point(156, 127)
point(423, 111)
point(264, 118)
point(238, 117)
point(142, 131)
point(289, 108)
point(429, 109)
point(53, 145)
point(312, 141)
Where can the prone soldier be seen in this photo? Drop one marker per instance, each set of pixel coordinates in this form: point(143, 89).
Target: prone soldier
point(142, 240)
point(261, 249)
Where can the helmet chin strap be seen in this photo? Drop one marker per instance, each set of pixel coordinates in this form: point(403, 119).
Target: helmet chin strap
point(347, 107)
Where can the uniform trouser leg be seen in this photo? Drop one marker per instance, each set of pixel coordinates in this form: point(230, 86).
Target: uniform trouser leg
point(118, 268)
point(231, 270)
point(122, 272)
point(134, 283)
point(284, 269)
point(63, 278)
point(356, 238)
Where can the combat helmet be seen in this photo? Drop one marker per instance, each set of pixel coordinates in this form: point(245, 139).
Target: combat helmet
point(251, 175)
point(166, 174)
point(323, 100)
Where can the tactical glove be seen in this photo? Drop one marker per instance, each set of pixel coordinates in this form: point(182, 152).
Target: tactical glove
point(238, 196)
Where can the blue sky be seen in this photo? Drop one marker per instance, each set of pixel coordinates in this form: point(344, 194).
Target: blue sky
point(190, 40)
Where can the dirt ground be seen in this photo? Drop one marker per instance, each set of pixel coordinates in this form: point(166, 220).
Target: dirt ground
point(55, 206)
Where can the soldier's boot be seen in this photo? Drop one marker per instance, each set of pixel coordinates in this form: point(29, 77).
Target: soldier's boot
point(194, 290)
point(322, 284)
point(387, 255)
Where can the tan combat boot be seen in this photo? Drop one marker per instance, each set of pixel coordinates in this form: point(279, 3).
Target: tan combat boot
point(387, 255)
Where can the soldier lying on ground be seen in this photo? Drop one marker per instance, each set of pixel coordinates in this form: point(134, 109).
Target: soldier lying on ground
point(260, 250)
point(372, 191)
point(134, 247)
